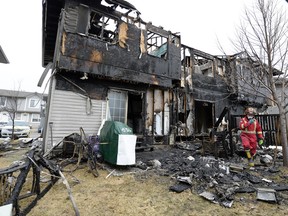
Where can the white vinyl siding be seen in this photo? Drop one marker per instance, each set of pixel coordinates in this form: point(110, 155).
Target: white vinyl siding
point(69, 112)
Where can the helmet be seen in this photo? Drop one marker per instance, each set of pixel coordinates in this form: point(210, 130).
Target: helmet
point(250, 111)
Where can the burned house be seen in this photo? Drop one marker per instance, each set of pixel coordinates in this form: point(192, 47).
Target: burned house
point(109, 64)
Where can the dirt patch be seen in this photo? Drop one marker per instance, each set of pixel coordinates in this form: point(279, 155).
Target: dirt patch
point(134, 191)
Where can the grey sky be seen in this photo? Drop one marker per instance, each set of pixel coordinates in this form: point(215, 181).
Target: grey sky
point(199, 22)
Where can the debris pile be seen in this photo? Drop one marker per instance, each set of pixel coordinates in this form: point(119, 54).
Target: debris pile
point(218, 179)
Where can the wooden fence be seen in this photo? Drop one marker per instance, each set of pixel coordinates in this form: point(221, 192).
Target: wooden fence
point(270, 127)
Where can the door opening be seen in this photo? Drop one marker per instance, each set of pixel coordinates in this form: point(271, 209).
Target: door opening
point(203, 116)
point(135, 110)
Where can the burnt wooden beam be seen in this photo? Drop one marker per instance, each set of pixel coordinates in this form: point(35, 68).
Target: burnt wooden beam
point(209, 84)
point(21, 179)
point(54, 178)
point(222, 115)
point(199, 53)
point(86, 54)
point(20, 182)
point(113, 73)
point(157, 30)
point(95, 86)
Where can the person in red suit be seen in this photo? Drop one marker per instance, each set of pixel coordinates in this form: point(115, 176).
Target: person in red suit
point(251, 132)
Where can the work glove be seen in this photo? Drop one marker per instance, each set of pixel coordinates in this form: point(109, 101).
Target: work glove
point(251, 121)
point(260, 142)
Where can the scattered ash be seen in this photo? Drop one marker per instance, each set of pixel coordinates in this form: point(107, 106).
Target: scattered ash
point(217, 179)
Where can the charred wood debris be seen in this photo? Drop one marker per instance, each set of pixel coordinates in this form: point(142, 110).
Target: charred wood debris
point(14, 177)
point(219, 179)
point(216, 179)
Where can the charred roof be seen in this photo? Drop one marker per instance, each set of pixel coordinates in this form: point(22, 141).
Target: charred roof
point(51, 15)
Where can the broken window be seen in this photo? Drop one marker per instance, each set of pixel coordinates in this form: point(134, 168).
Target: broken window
point(2, 101)
point(157, 45)
point(118, 105)
point(102, 27)
point(203, 66)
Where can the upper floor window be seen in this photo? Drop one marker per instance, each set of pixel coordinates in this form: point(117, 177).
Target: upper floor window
point(34, 103)
point(102, 27)
point(3, 101)
point(157, 45)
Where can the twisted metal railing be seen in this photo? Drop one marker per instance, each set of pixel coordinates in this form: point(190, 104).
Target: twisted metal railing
point(15, 181)
point(25, 175)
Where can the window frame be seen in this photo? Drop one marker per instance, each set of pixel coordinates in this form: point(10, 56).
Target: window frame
point(107, 27)
point(38, 119)
point(37, 102)
point(113, 108)
point(155, 43)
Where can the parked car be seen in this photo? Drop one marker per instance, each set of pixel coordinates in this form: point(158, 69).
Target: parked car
point(2, 124)
point(21, 129)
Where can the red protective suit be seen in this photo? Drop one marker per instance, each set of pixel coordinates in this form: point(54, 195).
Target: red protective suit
point(249, 134)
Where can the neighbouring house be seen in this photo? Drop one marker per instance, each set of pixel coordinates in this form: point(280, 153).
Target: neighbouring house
point(252, 91)
point(27, 106)
point(273, 109)
point(109, 64)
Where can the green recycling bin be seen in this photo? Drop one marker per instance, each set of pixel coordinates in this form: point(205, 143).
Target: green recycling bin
point(117, 143)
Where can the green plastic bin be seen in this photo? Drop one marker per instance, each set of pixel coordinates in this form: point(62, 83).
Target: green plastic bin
point(117, 143)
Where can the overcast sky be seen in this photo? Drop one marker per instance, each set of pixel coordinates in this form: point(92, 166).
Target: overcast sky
point(21, 40)
point(200, 23)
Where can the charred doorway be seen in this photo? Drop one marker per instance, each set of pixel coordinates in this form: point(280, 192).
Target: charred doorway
point(204, 112)
point(135, 110)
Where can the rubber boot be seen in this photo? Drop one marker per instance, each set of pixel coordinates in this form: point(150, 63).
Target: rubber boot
point(253, 157)
point(249, 157)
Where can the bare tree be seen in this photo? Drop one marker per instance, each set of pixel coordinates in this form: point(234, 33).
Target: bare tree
point(263, 39)
point(13, 103)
